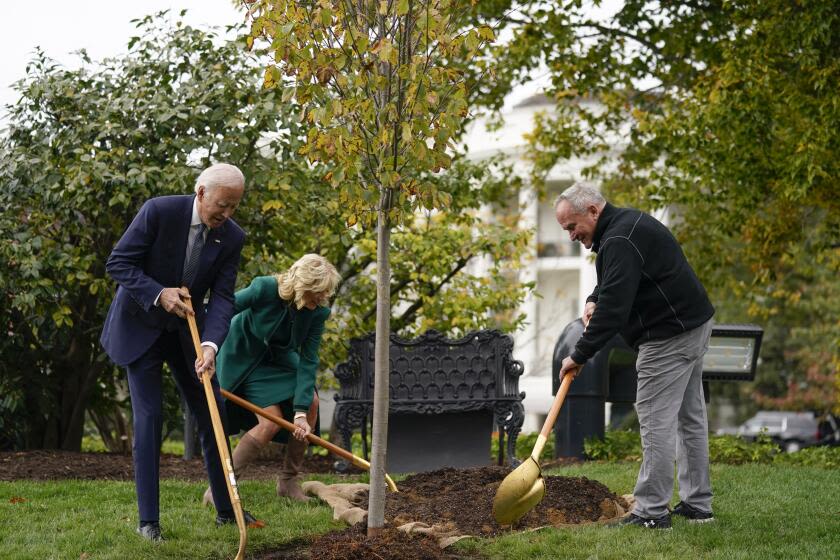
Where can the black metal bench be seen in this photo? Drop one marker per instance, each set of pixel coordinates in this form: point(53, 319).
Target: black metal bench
point(445, 398)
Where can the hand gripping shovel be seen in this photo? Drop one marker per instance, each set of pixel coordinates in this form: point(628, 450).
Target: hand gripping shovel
point(221, 441)
point(524, 487)
point(285, 424)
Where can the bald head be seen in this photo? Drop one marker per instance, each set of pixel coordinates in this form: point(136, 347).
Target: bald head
point(220, 175)
point(218, 191)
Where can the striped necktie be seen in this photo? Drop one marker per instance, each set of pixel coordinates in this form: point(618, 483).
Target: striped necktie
point(191, 264)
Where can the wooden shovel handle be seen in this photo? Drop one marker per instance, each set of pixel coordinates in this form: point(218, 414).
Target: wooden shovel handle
point(286, 425)
point(221, 439)
point(552, 417)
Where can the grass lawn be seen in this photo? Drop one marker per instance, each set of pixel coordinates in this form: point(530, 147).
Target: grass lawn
point(762, 512)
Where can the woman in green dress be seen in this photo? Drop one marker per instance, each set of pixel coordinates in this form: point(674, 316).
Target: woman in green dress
point(270, 357)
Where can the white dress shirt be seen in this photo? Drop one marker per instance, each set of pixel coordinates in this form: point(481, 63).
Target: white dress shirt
point(194, 221)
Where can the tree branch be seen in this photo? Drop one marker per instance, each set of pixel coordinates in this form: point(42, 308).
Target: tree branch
point(410, 313)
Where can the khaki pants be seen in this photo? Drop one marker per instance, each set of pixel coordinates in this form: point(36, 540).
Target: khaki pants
point(673, 423)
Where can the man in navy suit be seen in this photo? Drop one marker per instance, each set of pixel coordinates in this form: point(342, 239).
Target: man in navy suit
point(175, 241)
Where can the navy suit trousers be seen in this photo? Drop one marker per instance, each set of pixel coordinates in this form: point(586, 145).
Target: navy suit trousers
point(145, 385)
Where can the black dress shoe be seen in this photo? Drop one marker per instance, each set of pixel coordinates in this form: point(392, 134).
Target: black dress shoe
point(693, 514)
point(250, 520)
point(150, 531)
point(663, 522)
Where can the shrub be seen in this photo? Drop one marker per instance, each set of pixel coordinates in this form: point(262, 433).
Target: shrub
point(617, 445)
point(732, 450)
point(821, 456)
point(728, 449)
point(524, 446)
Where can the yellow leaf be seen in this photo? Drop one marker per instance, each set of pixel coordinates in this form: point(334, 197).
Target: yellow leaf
point(270, 79)
point(272, 205)
point(486, 33)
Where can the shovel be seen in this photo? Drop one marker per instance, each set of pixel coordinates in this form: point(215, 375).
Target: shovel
point(221, 441)
point(524, 487)
point(285, 424)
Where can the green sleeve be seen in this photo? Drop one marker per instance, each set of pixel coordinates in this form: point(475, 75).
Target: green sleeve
point(308, 365)
point(259, 290)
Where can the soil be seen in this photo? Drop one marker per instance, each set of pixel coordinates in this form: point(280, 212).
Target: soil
point(57, 465)
point(354, 544)
point(441, 496)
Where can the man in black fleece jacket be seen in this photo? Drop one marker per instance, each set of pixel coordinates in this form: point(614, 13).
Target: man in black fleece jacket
point(649, 293)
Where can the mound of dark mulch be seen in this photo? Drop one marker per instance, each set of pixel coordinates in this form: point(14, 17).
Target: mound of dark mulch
point(354, 544)
point(465, 498)
point(58, 465)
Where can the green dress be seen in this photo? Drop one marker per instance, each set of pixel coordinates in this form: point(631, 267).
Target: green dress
point(270, 355)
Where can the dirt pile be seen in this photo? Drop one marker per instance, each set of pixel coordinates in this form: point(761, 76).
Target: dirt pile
point(391, 544)
point(460, 501)
point(354, 544)
point(465, 498)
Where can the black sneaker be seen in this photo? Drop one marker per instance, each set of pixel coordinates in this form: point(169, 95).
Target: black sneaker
point(692, 514)
point(250, 520)
point(150, 531)
point(663, 522)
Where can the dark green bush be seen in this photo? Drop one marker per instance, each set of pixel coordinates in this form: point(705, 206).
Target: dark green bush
point(617, 445)
point(732, 450)
point(728, 450)
point(524, 446)
point(822, 457)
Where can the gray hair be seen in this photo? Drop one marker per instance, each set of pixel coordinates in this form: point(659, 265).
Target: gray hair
point(580, 195)
point(220, 175)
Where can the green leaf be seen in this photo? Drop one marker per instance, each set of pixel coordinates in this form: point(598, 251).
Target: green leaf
point(326, 17)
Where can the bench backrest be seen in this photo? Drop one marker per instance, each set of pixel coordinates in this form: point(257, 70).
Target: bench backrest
point(434, 369)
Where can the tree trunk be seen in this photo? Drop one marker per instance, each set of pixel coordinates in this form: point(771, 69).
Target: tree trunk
point(113, 429)
point(376, 503)
point(81, 377)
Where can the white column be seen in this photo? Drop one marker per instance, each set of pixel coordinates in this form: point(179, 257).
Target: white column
point(527, 348)
point(588, 278)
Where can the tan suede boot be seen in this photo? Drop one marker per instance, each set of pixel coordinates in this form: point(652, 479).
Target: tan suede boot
point(288, 481)
point(244, 454)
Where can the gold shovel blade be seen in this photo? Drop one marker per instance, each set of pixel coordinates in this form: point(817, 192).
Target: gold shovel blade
point(519, 493)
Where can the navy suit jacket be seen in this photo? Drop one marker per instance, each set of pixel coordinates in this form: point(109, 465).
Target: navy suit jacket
point(149, 257)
